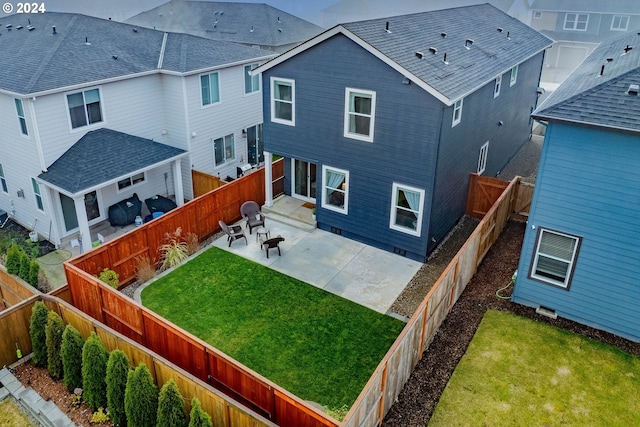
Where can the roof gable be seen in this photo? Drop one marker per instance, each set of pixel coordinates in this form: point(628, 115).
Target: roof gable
point(497, 42)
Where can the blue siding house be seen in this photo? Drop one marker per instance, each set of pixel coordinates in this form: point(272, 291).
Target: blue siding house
point(581, 252)
point(382, 121)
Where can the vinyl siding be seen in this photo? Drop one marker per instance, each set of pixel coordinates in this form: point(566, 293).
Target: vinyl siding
point(589, 185)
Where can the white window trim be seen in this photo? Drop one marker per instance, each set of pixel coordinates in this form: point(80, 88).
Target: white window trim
point(88, 125)
point(347, 134)
point(570, 263)
point(259, 89)
point(394, 204)
point(482, 158)
point(497, 86)
point(224, 153)
point(458, 108)
point(37, 195)
point(513, 77)
point(626, 27)
point(23, 117)
point(275, 119)
point(3, 181)
point(537, 14)
point(131, 184)
point(575, 23)
point(211, 104)
point(325, 202)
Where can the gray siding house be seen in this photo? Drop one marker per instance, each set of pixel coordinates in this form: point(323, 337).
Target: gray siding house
point(580, 256)
point(382, 121)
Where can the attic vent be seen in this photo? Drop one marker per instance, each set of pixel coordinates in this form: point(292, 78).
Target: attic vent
point(19, 27)
point(633, 90)
point(419, 54)
point(9, 26)
point(386, 27)
point(627, 49)
point(500, 29)
point(279, 30)
point(86, 41)
point(251, 30)
point(115, 57)
point(433, 50)
point(508, 35)
point(279, 22)
point(31, 27)
point(468, 43)
point(609, 59)
point(135, 30)
point(54, 30)
point(443, 34)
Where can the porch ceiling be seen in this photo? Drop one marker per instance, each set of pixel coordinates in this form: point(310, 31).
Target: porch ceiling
point(104, 156)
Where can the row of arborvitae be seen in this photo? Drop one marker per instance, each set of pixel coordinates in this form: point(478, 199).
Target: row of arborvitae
point(106, 380)
point(19, 263)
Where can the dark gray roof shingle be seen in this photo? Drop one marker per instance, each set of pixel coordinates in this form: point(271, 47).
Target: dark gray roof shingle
point(39, 60)
point(104, 155)
point(246, 23)
point(586, 96)
point(468, 67)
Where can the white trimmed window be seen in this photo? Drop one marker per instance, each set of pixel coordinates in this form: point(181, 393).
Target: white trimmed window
point(406, 209)
point(514, 76)
point(131, 181)
point(224, 149)
point(457, 112)
point(554, 257)
point(359, 114)
point(210, 89)
point(84, 108)
point(3, 181)
point(251, 83)
point(497, 86)
point(482, 158)
point(335, 189)
point(21, 118)
point(619, 23)
point(537, 14)
point(38, 195)
point(576, 21)
point(283, 98)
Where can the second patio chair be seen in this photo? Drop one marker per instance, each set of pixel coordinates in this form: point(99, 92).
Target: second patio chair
point(233, 232)
point(250, 212)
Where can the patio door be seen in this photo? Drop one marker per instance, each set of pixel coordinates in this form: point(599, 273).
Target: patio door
point(255, 145)
point(304, 180)
point(91, 205)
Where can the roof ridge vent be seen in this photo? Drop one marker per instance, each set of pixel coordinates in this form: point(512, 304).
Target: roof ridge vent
point(633, 89)
point(419, 54)
point(386, 27)
point(433, 50)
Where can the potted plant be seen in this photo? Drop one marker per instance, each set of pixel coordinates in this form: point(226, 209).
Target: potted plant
point(313, 213)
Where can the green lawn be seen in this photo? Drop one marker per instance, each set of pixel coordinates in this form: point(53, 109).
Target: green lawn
point(315, 344)
point(518, 372)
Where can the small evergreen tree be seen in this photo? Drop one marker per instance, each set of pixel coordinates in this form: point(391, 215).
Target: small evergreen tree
point(198, 418)
point(34, 270)
point(118, 368)
point(13, 259)
point(141, 398)
point(71, 352)
point(25, 265)
point(37, 331)
point(53, 332)
point(94, 370)
point(171, 406)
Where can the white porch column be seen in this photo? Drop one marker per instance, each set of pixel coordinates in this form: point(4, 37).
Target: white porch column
point(177, 182)
point(83, 222)
point(268, 179)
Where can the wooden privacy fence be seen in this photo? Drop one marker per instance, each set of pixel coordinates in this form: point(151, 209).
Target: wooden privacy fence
point(394, 370)
point(203, 182)
point(224, 412)
point(13, 289)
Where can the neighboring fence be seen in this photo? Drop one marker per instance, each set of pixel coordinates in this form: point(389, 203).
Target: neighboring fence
point(14, 290)
point(203, 182)
point(523, 202)
point(394, 370)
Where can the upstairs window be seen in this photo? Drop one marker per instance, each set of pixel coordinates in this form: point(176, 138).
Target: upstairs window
point(251, 83)
point(514, 76)
point(3, 181)
point(482, 158)
point(359, 116)
point(21, 119)
point(406, 209)
point(84, 108)
point(224, 149)
point(335, 183)
point(497, 86)
point(576, 21)
point(619, 23)
point(283, 95)
point(457, 112)
point(554, 257)
point(210, 89)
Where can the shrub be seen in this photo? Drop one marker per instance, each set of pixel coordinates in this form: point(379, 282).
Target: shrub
point(71, 353)
point(171, 406)
point(13, 259)
point(53, 332)
point(193, 245)
point(198, 418)
point(118, 368)
point(37, 331)
point(99, 417)
point(109, 277)
point(34, 272)
point(141, 398)
point(25, 265)
point(174, 251)
point(94, 369)
point(145, 270)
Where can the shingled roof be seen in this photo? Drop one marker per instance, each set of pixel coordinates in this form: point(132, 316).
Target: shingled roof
point(597, 92)
point(104, 155)
point(246, 23)
point(480, 42)
point(83, 49)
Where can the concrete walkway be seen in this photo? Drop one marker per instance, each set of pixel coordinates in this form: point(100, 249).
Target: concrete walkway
point(363, 274)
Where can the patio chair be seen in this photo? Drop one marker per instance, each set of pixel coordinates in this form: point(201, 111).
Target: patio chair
point(273, 243)
point(233, 232)
point(250, 212)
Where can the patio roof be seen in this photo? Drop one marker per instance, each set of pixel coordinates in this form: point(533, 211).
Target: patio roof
point(102, 157)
